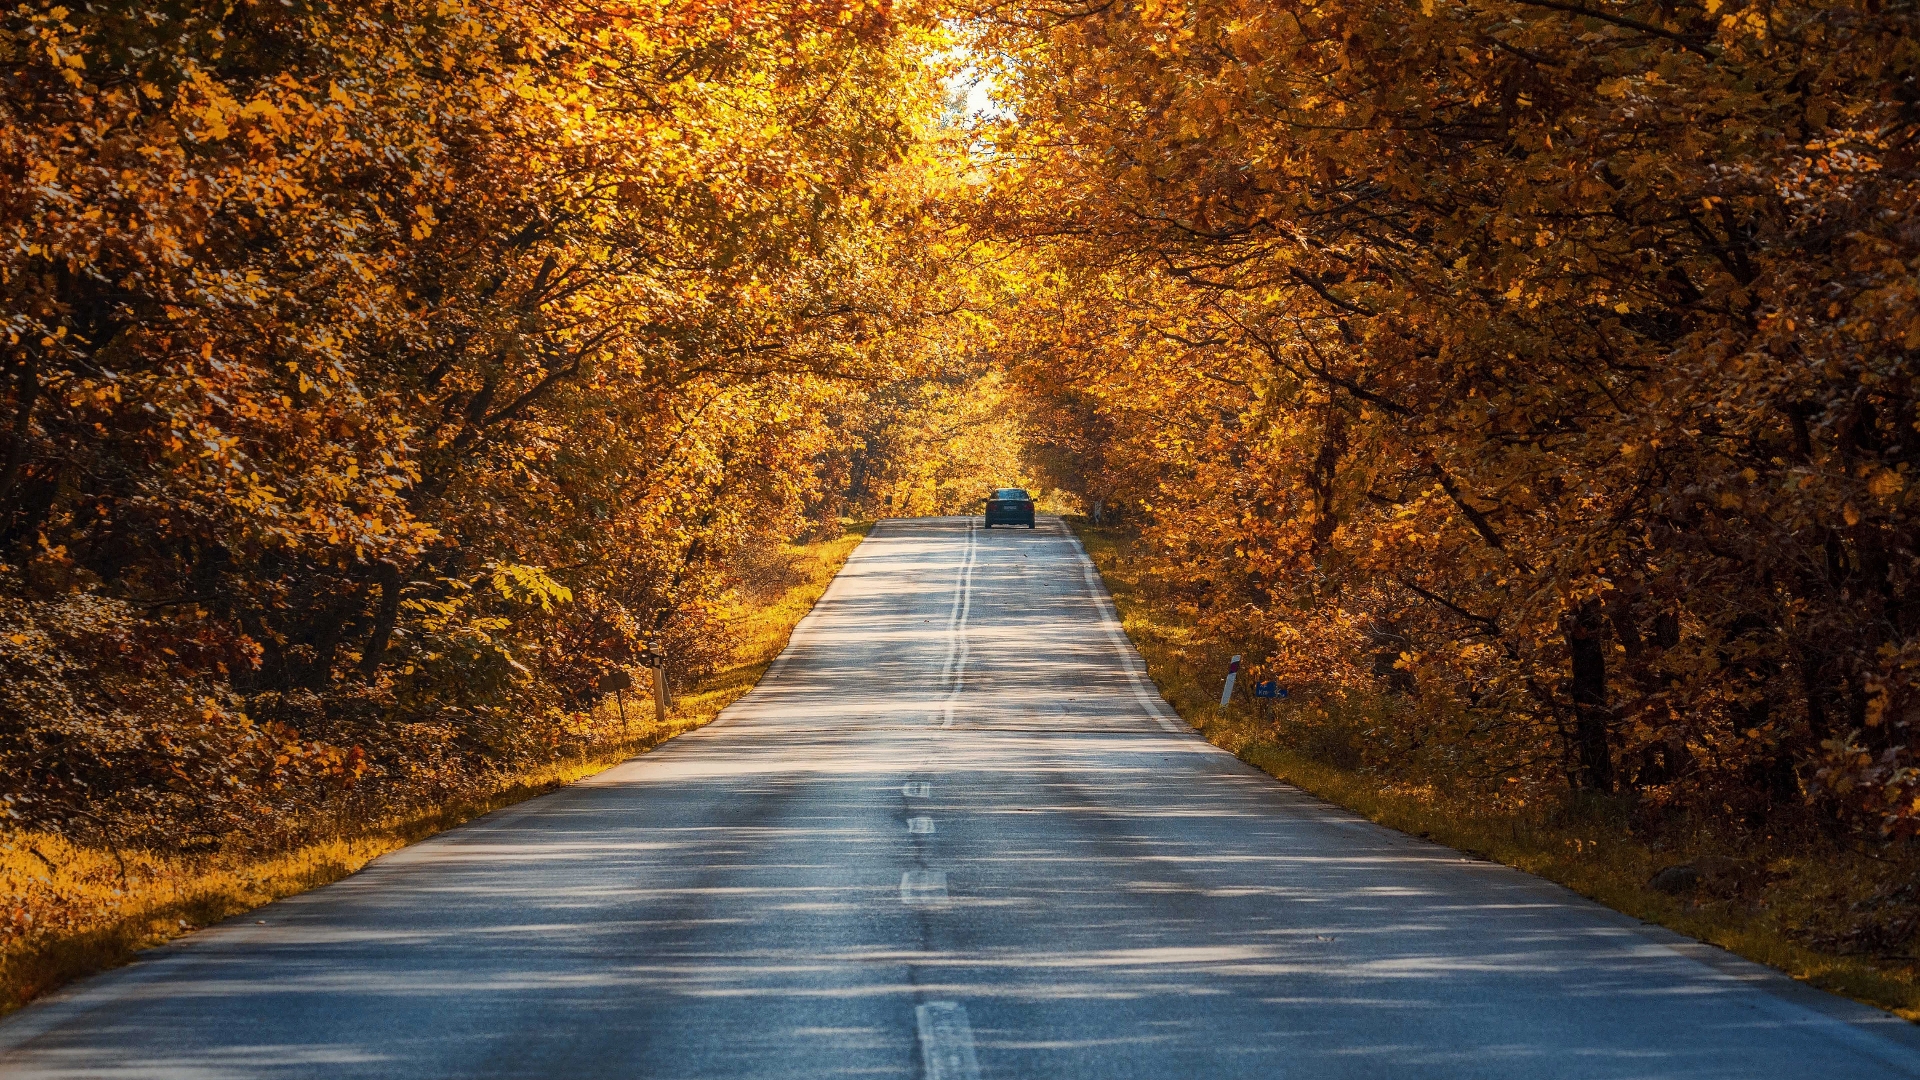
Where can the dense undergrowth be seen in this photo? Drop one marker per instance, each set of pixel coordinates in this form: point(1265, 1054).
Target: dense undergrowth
point(73, 910)
point(1839, 913)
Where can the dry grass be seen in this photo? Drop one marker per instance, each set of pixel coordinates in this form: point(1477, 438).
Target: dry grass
point(77, 910)
point(1792, 893)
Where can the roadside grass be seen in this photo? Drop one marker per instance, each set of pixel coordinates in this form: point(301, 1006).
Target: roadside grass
point(1792, 892)
point(78, 910)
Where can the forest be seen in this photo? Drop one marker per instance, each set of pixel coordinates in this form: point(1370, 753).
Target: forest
point(1531, 378)
point(1543, 368)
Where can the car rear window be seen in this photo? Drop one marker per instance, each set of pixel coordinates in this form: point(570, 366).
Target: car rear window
point(1010, 493)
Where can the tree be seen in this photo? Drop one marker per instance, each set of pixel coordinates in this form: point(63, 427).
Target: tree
point(378, 376)
point(1563, 349)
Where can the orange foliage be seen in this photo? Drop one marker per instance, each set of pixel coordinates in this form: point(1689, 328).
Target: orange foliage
point(1542, 370)
point(378, 377)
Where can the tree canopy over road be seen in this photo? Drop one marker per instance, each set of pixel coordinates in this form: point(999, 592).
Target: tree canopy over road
point(1541, 369)
point(378, 377)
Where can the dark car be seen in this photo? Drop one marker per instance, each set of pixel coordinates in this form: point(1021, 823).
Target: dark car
point(1010, 506)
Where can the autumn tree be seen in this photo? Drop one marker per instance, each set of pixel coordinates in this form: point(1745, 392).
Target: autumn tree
point(377, 376)
point(1551, 357)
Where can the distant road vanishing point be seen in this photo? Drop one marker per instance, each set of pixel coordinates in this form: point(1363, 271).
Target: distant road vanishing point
point(954, 833)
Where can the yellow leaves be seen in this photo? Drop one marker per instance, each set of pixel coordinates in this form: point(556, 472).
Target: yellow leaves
point(215, 115)
point(1751, 23)
point(423, 221)
point(1887, 485)
point(529, 584)
point(265, 110)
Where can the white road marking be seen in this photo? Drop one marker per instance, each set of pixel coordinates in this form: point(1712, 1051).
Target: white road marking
point(919, 825)
point(1109, 619)
point(953, 612)
point(958, 647)
point(914, 789)
point(946, 1041)
point(923, 887)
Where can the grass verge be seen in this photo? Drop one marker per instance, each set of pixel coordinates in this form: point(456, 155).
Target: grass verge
point(1780, 898)
point(85, 910)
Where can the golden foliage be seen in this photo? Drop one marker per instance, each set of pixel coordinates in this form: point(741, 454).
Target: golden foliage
point(1547, 364)
point(377, 378)
point(69, 909)
point(1819, 907)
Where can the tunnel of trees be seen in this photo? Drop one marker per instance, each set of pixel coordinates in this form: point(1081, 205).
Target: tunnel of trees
point(379, 377)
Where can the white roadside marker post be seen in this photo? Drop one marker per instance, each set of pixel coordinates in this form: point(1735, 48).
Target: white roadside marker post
point(1233, 669)
point(662, 696)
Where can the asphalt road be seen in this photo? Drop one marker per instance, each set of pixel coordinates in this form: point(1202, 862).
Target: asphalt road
point(953, 833)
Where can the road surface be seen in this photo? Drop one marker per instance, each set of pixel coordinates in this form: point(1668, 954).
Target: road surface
point(952, 834)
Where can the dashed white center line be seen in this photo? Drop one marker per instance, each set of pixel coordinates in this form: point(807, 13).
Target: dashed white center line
point(923, 887)
point(914, 789)
point(946, 1041)
point(919, 825)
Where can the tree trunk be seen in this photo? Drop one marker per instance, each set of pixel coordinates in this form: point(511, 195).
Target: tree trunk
point(1586, 642)
point(21, 428)
point(384, 619)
